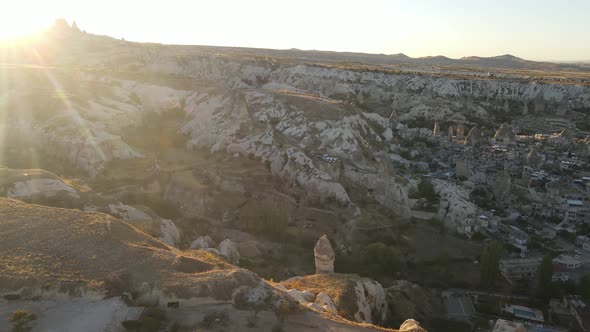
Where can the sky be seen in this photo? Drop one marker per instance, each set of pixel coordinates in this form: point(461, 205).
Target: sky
point(531, 29)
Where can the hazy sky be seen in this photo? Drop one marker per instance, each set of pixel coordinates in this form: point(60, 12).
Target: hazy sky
point(532, 29)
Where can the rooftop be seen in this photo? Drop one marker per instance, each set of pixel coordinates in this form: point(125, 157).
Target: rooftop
point(507, 326)
point(575, 202)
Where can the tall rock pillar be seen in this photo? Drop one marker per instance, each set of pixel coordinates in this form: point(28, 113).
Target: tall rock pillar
point(324, 256)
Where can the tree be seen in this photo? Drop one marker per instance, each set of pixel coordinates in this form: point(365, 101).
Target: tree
point(490, 264)
point(266, 218)
point(585, 286)
point(545, 276)
point(426, 190)
point(381, 259)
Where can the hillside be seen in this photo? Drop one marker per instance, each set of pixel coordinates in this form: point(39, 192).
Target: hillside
point(192, 174)
point(64, 249)
point(47, 252)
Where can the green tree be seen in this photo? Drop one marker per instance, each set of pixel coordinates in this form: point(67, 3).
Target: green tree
point(490, 264)
point(584, 286)
point(426, 189)
point(267, 219)
point(381, 259)
point(545, 276)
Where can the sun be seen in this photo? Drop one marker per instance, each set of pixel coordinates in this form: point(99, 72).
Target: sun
point(17, 27)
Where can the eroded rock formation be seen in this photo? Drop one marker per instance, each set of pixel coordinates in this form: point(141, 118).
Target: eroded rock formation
point(324, 256)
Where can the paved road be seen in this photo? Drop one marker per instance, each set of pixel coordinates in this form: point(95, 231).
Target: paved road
point(476, 292)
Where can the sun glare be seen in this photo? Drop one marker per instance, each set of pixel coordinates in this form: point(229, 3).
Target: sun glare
point(17, 28)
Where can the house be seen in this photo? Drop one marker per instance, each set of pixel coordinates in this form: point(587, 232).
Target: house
point(548, 233)
point(583, 241)
point(575, 210)
point(568, 262)
point(483, 221)
point(520, 268)
point(560, 311)
point(517, 236)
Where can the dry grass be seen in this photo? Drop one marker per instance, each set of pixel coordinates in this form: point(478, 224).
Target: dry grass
point(51, 246)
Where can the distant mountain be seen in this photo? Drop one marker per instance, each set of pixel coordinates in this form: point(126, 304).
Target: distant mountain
point(505, 61)
point(77, 41)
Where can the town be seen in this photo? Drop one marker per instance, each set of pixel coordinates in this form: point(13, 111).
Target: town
point(530, 203)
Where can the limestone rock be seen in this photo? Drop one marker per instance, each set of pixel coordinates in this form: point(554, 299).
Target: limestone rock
point(148, 221)
point(534, 159)
point(436, 129)
point(326, 303)
point(473, 137)
point(229, 250)
point(301, 296)
point(169, 233)
point(505, 133)
point(43, 187)
point(127, 212)
point(203, 242)
point(214, 251)
point(370, 301)
point(456, 209)
point(411, 325)
point(356, 298)
point(324, 256)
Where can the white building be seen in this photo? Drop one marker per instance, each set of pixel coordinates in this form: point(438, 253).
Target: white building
point(568, 262)
point(583, 241)
point(520, 268)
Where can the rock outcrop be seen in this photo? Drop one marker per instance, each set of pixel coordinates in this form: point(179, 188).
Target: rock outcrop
point(203, 242)
point(31, 183)
point(456, 209)
point(405, 299)
point(355, 298)
point(229, 250)
point(324, 256)
point(148, 221)
point(411, 325)
point(473, 137)
point(504, 134)
point(436, 129)
point(534, 159)
point(323, 300)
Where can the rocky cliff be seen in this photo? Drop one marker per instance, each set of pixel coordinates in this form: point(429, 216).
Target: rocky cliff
point(282, 112)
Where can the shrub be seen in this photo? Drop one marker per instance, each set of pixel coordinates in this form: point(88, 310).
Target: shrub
point(153, 319)
point(215, 318)
point(426, 190)
point(156, 313)
point(12, 297)
point(267, 219)
point(175, 327)
point(21, 320)
point(131, 325)
point(381, 259)
point(150, 324)
point(277, 328)
point(377, 259)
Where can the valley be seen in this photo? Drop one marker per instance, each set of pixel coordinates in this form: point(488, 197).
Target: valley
point(211, 173)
